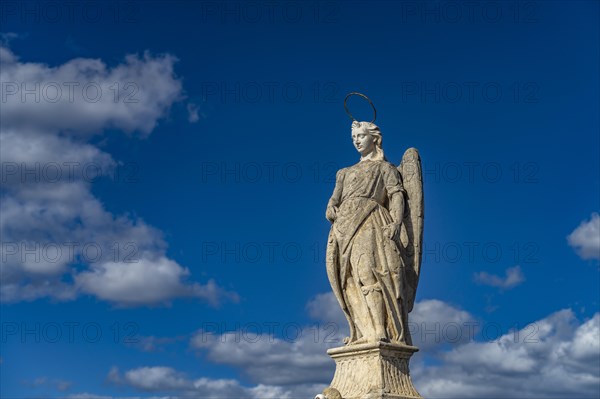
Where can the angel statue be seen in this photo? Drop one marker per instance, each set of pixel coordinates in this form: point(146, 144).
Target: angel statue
point(375, 242)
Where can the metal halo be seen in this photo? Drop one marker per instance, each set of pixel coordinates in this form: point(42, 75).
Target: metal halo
point(354, 93)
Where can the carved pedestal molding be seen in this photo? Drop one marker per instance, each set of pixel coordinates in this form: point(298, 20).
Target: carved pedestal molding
point(376, 370)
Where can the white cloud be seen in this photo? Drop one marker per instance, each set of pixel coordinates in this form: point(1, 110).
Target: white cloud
point(549, 358)
point(297, 357)
point(434, 323)
point(585, 239)
point(58, 240)
point(301, 358)
point(30, 146)
point(325, 308)
point(6, 38)
point(585, 345)
point(193, 116)
point(167, 379)
point(558, 349)
point(156, 378)
point(514, 276)
point(48, 383)
point(145, 281)
point(555, 357)
point(273, 361)
point(84, 96)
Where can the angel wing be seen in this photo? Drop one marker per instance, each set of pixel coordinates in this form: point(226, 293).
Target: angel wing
point(411, 234)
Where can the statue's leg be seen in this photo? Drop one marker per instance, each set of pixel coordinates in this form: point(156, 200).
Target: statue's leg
point(356, 297)
point(356, 308)
point(373, 296)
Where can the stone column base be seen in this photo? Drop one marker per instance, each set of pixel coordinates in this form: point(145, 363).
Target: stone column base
point(376, 370)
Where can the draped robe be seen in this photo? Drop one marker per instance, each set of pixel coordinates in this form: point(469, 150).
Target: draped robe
point(362, 196)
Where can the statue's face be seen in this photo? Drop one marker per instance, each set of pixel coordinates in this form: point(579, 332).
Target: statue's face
point(363, 141)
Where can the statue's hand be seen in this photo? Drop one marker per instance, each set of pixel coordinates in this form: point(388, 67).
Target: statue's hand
point(331, 213)
point(392, 231)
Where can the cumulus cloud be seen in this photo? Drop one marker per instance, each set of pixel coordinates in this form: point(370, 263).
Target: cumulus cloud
point(513, 277)
point(434, 324)
point(156, 378)
point(85, 96)
point(267, 360)
point(283, 355)
point(585, 239)
point(300, 357)
point(559, 349)
point(325, 308)
point(45, 382)
point(58, 240)
point(556, 357)
point(167, 379)
point(290, 358)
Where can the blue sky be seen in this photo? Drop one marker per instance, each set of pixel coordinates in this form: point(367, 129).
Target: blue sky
point(181, 251)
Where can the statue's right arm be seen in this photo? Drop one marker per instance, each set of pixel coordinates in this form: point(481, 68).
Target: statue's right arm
point(336, 197)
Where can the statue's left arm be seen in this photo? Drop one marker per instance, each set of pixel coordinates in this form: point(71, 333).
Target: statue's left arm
point(397, 207)
point(395, 192)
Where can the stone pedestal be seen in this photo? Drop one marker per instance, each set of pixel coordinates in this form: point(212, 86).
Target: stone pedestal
point(375, 370)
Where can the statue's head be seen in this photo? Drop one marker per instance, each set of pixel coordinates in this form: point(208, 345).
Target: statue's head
point(366, 137)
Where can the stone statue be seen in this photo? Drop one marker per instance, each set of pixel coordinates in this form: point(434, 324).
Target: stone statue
point(373, 262)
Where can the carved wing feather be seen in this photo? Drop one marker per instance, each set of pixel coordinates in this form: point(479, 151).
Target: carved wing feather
point(411, 235)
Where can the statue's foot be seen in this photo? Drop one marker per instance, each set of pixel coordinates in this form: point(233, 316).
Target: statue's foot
point(381, 336)
point(361, 340)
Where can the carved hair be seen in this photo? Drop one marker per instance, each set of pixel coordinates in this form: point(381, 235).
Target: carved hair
point(373, 130)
